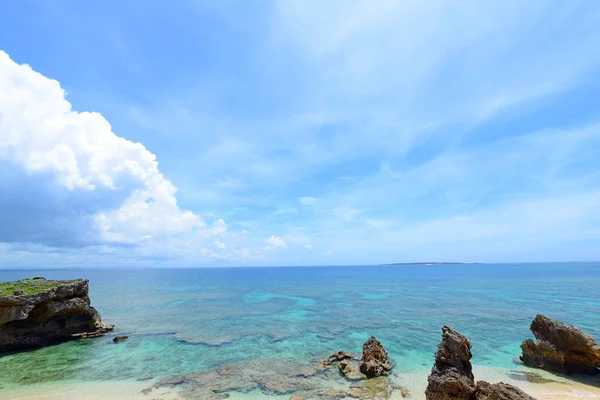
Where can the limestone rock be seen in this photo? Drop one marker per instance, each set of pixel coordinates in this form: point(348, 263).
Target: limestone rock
point(350, 369)
point(375, 360)
point(499, 391)
point(451, 377)
point(118, 339)
point(561, 348)
point(338, 356)
point(54, 311)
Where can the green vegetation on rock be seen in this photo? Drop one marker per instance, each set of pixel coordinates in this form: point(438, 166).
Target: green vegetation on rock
point(28, 286)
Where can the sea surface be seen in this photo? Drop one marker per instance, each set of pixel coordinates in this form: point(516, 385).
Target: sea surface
point(188, 320)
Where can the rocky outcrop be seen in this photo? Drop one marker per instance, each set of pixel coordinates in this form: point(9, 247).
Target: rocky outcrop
point(40, 312)
point(375, 360)
point(560, 348)
point(452, 374)
point(499, 391)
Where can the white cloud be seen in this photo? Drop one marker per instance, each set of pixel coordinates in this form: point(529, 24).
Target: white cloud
point(275, 242)
point(307, 201)
point(219, 244)
point(329, 253)
point(108, 185)
point(308, 246)
point(346, 213)
point(290, 210)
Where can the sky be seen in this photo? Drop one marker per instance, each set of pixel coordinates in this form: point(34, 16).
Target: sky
point(201, 133)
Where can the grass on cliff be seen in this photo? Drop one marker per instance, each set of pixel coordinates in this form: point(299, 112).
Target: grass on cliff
point(29, 286)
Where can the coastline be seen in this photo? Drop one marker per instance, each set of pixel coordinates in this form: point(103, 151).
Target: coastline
point(557, 388)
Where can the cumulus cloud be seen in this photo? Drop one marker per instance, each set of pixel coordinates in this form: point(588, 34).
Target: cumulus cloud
point(275, 242)
point(67, 179)
point(219, 244)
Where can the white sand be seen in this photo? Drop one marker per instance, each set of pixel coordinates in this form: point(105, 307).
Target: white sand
point(106, 390)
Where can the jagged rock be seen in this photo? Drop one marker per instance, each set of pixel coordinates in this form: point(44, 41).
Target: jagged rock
point(53, 311)
point(351, 369)
point(375, 360)
point(561, 348)
point(118, 339)
point(499, 391)
point(451, 377)
point(338, 356)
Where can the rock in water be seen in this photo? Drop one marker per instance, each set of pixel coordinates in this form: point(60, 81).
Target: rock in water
point(350, 369)
point(336, 357)
point(451, 377)
point(561, 348)
point(118, 339)
point(45, 312)
point(499, 391)
point(375, 360)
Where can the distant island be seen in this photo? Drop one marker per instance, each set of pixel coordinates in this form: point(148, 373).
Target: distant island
point(432, 263)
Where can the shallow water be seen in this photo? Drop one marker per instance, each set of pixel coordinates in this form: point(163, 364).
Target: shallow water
point(186, 320)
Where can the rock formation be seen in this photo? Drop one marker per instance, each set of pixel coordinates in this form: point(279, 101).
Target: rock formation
point(452, 374)
point(375, 360)
point(38, 312)
point(561, 348)
point(499, 391)
point(351, 370)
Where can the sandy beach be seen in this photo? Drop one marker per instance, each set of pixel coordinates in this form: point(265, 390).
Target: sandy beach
point(552, 387)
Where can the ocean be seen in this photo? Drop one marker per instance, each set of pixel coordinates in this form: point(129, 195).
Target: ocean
point(181, 321)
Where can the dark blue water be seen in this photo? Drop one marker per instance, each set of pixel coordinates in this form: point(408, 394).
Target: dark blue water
point(185, 320)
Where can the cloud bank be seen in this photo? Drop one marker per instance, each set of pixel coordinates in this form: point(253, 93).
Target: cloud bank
point(68, 180)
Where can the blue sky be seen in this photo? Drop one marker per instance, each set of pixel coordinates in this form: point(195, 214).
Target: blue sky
point(195, 133)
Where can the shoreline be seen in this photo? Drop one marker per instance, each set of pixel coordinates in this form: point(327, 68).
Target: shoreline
point(548, 387)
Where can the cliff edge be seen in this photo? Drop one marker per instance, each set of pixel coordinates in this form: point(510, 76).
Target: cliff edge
point(38, 312)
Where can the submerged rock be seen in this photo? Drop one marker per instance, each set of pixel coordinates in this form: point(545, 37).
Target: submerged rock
point(451, 377)
point(530, 377)
point(452, 374)
point(561, 348)
point(375, 360)
point(118, 339)
point(377, 388)
point(45, 312)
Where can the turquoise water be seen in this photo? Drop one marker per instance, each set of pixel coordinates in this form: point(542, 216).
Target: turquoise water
point(186, 320)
